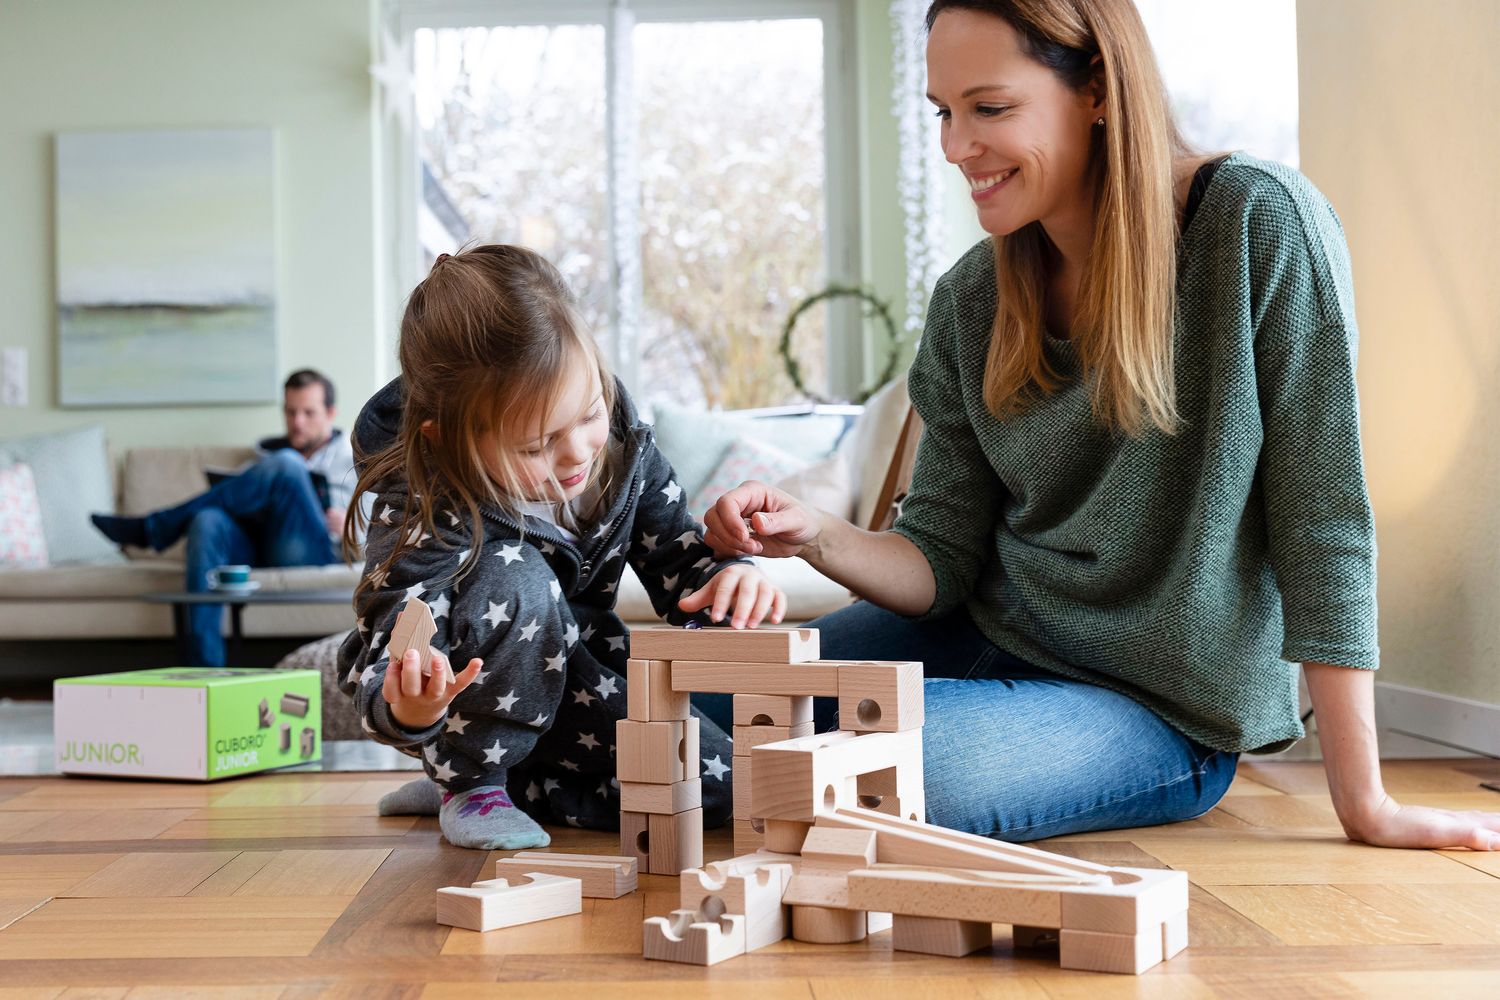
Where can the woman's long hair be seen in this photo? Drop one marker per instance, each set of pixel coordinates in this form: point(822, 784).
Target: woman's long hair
point(1127, 294)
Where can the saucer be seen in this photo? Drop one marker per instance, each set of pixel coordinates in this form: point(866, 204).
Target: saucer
point(248, 587)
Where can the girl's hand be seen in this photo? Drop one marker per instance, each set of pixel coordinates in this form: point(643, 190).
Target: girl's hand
point(744, 588)
point(779, 525)
point(1391, 824)
point(419, 697)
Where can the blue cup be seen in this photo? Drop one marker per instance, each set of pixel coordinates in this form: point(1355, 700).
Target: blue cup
point(228, 576)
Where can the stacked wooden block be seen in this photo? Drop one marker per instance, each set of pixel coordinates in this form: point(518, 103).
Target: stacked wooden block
point(658, 767)
point(532, 886)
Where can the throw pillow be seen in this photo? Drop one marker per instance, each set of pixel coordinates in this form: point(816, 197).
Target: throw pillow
point(73, 480)
point(874, 445)
point(696, 441)
point(744, 459)
point(824, 484)
point(22, 544)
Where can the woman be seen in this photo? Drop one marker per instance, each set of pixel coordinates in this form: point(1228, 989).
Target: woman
point(1140, 491)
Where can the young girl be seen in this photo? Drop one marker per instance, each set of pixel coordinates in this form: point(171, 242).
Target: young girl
point(514, 482)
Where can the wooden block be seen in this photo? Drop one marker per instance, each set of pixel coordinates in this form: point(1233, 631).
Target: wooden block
point(746, 837)
point(1032, 937)
point(728, 645)
point(821, 925)
point(789, 679)
point(675, 841)
point(903, 842)
point(755, 894)
point(937, 936)
point(635, 839)
point(783, 835)
point(295, 704)
point(1144, 907)
point(745, 863)
point(414, 629)
point(880, 791)
point(801, 778)
point(988, 897)
point(1174, 934)
point(496, 903)
point(658, 753)
point(813, 885)
point(853, 848)
point(1094, 951)
point(880, 697)
point(694, 938)
point(771, 710)
point(741, 768)
point(747, 738)
point(602, 877)
point(309, 741)
point(677, 797)
point(648, 692)
point(286, 737)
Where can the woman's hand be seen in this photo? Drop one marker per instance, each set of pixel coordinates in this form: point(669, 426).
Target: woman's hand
point(744, 588)
point(779, 525)
point(419, 697)
point(1390, 824)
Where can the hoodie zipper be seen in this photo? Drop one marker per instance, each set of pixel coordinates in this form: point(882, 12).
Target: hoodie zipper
point(585, 567)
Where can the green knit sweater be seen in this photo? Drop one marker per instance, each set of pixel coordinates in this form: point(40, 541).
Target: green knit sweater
point(1184, 571)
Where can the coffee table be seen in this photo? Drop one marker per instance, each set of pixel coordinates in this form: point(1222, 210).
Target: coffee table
point(181, 599)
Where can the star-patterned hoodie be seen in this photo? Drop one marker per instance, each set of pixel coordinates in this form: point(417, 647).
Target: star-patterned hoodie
point(538, 609)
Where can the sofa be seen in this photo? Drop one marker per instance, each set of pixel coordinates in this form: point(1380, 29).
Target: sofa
point(96, 593)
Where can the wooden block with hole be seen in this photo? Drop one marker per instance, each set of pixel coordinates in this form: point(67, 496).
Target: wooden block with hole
point(938, 936)
point(880, 697)
point(746, 837)
point(495, 903)
point(658, 753)
point(747, 738)
point(635, 837)
point(694, 938)
point(643, 797)
point(1096, 951)
point(800, 778)
point(725, 645)
point(755, 894)
point(745, 677)
point(771, 710)
point(674, 842)
point(648, 692)
point(601, 876)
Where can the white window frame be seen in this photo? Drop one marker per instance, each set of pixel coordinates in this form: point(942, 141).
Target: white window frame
point(841, 189)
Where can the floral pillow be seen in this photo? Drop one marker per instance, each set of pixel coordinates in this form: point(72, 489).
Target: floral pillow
point(745, 459)
point(22, 544)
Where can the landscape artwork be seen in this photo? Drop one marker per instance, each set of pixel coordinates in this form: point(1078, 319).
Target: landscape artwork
point(166, 268)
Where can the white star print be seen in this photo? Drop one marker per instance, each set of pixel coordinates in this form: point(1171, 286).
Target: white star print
point(364, 724)
point(582, 697)
point(568, 764)
point(588, 633)
point(587, 741)
point(617, 642)
point(415, 591)
point(480, 678)
point(363, 628)
point(603, 530)
point(539, 721)
point(686, 538)
point(533, 792)
point(353, 674)
point(716, 767)
point(385, 515)
point(528, 632)
point(497, 614)
point(462, 556)
point(670, 582)
point(648, 542)
point(504, 704)
point(570, 634)
point(510, 553)
point(603, 790)
point(442, 772)
point(555, 663)
point(549, 785)
point(416, 536)
point(548, 548)
point(608, 588)
point(606, 687)
point(452, 519)
point(368, 675)
point(378, 578)
point(430, 752)
point(613, 553)
point(376, 640)
point(456, 724)
point(440, 606)
point(556, 589)
point(673, 492)
point(705, 561)
point(493, 754)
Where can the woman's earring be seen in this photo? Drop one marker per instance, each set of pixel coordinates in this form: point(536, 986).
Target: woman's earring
point(1099, 122)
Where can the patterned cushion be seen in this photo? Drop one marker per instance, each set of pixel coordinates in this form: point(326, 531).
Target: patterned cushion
point(745, 459)
point(696, 441)
point(73, 480)
point(22, 544)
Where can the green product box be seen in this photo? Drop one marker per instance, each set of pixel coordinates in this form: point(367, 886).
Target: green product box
point(198, 723)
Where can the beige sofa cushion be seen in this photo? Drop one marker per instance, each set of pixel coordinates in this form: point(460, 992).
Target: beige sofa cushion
point(153, 478)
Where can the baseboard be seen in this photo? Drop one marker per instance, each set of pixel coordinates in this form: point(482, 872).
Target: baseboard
point(1439, 718)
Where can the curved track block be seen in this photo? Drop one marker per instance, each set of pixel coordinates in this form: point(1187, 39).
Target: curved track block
point(755, 894)
point(602, 876)
point(691, 937)
point(495, 903)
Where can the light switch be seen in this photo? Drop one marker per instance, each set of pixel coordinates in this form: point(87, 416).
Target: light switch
point(13, 376)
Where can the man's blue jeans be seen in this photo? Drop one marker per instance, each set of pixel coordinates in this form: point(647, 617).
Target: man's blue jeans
point(1013, 752)
point(268, 515)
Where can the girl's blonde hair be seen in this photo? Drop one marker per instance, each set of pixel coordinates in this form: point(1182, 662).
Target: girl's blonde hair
point(1127, 294)
point(487, 341)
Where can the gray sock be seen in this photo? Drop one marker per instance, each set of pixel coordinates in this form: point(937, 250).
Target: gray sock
point(486, 819)
point(421, 797)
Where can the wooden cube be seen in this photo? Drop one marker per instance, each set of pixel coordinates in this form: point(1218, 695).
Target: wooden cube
point(648, 692)
point(771, 710)
point(936, 936)
point(659, 753)
point(747, 738)
point(749, 645)
point(1096, 951)
point(674, 841)
point(635, 839)
point(880, 697)
point(680, 796)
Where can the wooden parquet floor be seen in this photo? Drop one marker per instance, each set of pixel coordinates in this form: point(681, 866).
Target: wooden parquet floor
point(290, 886)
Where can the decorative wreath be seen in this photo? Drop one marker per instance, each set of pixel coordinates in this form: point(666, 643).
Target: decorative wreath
point(877, 307)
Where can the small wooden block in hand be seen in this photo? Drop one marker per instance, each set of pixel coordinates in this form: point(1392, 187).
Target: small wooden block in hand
point(495, 903)
point(414, 629)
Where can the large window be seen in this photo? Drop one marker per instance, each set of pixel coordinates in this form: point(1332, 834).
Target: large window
point(672, 160)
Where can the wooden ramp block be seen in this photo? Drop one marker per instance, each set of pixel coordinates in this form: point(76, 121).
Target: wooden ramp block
point(802, 778)
point(747, 738)
point(851, 848)
point(755, 894)
point(881, 697)
point(987, 897)
point(635, 839)
point(1093, 951)
point(694, 938)
point(727, 645)
point(675, 842)
point(937, 936)
point(657, 753)
point(602, 876)
point(648, 692)
point(822, 925)
point(643, 797)
point(746, 677)
point(903, 842)
point(495, 903)
point(771, 710)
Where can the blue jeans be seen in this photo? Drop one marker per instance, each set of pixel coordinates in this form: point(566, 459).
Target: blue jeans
point(268, 515)
point(1014, 752)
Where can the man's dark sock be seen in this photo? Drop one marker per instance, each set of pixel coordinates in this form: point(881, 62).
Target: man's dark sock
point(122, 530)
